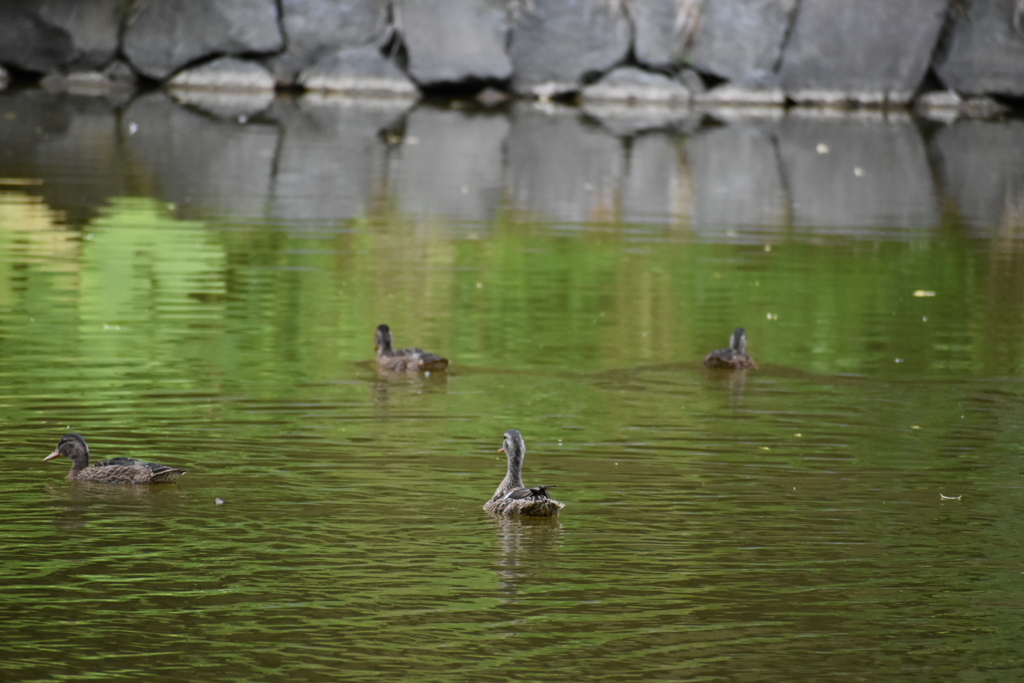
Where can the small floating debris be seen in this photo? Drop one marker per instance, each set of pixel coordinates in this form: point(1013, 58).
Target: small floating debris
point(218, 501)
point(942, 497)
point(822, 148)
point(923, 292)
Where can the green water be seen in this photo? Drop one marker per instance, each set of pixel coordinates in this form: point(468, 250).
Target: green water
point(787, 523)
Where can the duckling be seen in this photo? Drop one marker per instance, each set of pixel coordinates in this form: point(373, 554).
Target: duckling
point(113, 471)
point(735, 356)
point(512, 497)
point(404, 359)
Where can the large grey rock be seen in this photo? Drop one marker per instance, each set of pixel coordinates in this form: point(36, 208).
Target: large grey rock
point(561, 168)
point(315, 28)
point(556, 44)
point(450, 164)
point(450, 41)
point(204, 166)
point(358, 71)
point(946, 106)
point(163, 36)
point(859, 174)
point(871, 51)
point(226, 73)
point(984, 50)
point(742, 40)
point(28, 43)
point(332, 163)
point(630, 84)
point(664, 30)
point(730, 94)
point(93, 25)
point(739, 40)
point(979, 166)
point(48, 35)
point(228, 87)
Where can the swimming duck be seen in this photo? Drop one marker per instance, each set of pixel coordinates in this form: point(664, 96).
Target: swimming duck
point(733, 357)
point(404, 359)
point(512, 497)
point(113, 471)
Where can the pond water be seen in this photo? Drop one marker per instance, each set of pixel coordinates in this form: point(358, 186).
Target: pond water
point(201, 289)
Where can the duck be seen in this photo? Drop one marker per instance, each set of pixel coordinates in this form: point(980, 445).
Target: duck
point(735, 356)
point(513, 497)
point(113, 471)
point(404, 359)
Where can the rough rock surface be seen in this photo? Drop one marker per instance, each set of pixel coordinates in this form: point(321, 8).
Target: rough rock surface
point(740, 40)
point(630, 84)
point(358, 71)
point(315, 28)
point(94, 27)
point(984, 51)
point(557, 43)
point(871, 51)
point(452, 41)
point(49, 35)
point(29, 43)
point(226, 73)
point(739, 95)
point(664, 30)
point(161, 37)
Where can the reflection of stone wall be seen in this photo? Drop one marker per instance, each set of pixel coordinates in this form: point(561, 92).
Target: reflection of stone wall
point(325, 161)
point(871, 52)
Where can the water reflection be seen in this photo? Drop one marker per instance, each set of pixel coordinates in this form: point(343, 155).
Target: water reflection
point(165, 271)
point(323, 160)
point(528, 545)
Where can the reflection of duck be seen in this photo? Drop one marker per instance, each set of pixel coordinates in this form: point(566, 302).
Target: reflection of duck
point(512, 496)
point(733, 357)
point(528, 545)
point(404, 359)
point(113, 471)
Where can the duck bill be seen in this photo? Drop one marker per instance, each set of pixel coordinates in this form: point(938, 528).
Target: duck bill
point(51, 456)
point(501, 450)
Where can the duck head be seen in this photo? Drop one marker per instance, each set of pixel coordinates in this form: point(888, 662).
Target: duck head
point(382, 344)
point(515, 448)
point(72, 446)
point(738, 341)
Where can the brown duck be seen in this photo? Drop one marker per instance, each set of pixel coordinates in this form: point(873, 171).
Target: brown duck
point(113, 471)
point(404, 359)
point(512, 496)
point(735, 356)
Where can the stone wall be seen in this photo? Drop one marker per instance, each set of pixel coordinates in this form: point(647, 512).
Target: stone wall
point(813, 52)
